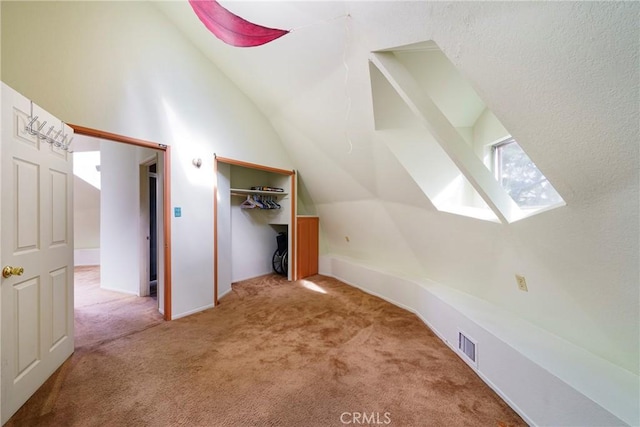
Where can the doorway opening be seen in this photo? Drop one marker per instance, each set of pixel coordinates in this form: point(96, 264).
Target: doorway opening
point(150, 231)
point(162, 236)
point(111, 301)
point(153, 232)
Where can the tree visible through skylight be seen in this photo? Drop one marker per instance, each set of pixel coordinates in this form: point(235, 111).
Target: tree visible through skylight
point(452, 145)
point(520, 177)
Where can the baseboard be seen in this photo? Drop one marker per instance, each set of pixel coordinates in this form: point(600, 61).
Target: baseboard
point(122, 291)
point(190, 312)
point(533, 373)
point(82, 257)
point(228, 291)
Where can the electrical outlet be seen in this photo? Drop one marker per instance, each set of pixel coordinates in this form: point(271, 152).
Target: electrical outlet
point(522, 283)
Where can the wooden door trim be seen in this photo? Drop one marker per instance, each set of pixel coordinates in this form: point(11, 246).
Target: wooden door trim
point(294, 226)
point(81, 130)
point(215, 231)
point(253, 166)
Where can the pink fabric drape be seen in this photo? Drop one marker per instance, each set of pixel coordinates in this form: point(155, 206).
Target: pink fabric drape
point(231, 28)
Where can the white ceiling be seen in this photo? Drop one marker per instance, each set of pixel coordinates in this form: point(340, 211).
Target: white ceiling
point(313, 84)
point(287, 67)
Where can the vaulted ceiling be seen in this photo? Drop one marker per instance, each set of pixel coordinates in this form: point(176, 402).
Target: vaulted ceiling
point(314, 83)
point(561, 77)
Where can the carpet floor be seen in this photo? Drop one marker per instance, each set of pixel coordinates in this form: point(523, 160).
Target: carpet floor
point(308, 353)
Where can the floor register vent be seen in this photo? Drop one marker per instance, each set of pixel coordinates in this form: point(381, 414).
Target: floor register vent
point(468, 347)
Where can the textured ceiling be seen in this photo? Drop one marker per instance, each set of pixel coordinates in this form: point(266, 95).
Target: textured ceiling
point(316, 78)
point(562, 77)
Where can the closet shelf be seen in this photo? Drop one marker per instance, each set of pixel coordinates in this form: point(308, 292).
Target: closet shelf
point(243, 192)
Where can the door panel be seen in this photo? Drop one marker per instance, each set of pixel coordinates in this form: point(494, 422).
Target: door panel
point(26, 190)
point(28, 325)
point(59, 207)
point(37, 234)
point(59, 305)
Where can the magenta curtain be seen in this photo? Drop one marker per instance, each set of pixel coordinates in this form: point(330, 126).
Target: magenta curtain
point(231, 28)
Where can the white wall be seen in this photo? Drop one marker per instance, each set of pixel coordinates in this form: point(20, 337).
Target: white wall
point(253, 242)
point(120, 227)
point(120, 208)
point(133, 73)
point(86, 223)
point(86, 201)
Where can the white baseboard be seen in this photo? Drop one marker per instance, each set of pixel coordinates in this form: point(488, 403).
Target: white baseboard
point(190, 312)
point(122, 291)
point(82, 257)
point(546, 380)
point(224, 293)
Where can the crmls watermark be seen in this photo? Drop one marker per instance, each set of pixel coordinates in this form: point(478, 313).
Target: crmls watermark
point(366, 418)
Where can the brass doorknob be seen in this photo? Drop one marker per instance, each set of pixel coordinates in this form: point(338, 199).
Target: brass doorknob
point(9, 271)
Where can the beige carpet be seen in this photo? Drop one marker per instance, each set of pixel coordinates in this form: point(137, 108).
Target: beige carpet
point(102, 316)
point(274, 353)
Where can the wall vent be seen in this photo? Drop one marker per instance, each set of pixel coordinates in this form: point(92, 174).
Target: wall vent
point(469, 348)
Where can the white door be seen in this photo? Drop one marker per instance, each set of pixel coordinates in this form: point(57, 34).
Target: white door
point(36, 235)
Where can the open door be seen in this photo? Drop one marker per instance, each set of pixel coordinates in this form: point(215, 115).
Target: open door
point(37, 333)
point(151, 235)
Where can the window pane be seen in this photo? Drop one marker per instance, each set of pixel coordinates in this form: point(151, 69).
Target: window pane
point(524, 182)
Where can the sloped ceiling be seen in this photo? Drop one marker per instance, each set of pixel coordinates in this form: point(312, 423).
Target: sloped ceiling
point(317, 76)
point(562, 77)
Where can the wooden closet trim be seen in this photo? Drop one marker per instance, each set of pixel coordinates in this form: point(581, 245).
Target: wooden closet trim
point(292, 231)
point(254, 166)
point(81, 130)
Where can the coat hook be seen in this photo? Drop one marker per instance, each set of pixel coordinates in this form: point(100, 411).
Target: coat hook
point(66, 146)
point(41, 126)
point(29, 127)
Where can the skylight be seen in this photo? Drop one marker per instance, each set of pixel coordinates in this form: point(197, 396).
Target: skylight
point(521, 178)
point(86, 166)
point(448, 140)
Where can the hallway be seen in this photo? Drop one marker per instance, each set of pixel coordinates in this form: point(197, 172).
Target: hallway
point(102, 316)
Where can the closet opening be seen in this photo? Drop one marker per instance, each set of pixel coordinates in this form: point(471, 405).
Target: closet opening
point(254, 222)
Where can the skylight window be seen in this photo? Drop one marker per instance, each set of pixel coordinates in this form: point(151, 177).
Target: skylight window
point(86, 166)
point(442, 132)
point(520, 177)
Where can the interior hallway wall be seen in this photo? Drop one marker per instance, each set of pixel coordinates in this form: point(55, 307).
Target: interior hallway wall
point(86, 223)
point(120, 260)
